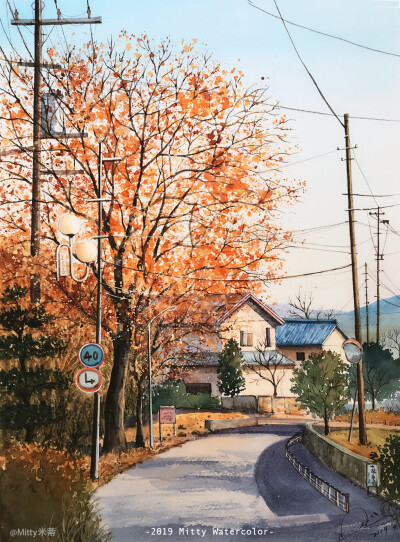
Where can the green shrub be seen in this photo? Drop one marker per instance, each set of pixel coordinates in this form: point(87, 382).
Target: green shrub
point(173, 393)
point(389, 459)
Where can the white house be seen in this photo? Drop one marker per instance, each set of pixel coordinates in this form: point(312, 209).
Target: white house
point(253, 324)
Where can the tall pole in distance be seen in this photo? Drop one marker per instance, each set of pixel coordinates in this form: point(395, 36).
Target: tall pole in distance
point(94, 462)
point(357, 322)
point(37, 147)
point(366, 301)
point(378, 259)
point(150, 383)
point(150, 371)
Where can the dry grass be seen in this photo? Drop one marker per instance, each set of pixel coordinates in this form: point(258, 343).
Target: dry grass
point(372, 417)
point(375, 437)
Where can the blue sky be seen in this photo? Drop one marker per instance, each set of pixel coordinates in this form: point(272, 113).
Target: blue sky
point(354, 80)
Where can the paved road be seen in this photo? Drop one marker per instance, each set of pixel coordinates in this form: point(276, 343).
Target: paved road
point(236, 486)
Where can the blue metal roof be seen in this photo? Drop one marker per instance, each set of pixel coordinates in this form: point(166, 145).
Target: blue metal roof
point(301, 332)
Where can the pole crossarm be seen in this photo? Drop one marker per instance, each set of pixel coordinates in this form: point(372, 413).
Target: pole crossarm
point(47, 65)
point(51, 22)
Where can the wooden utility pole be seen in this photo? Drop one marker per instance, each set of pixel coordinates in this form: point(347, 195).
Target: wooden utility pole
point(357, 322)
point(37, 147)
point(38, 64)
point(379, 257)
point(366, 301)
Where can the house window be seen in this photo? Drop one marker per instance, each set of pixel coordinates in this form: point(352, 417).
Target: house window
point(300, 356)
point(268, 336)
point(246, 338)
point(198, 387)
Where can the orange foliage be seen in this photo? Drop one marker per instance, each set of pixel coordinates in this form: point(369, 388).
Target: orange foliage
point(193, 199)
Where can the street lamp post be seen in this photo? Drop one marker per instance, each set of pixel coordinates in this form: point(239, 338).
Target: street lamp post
point(149, 355)
point(87, 252)
point(353, 351)
point(94, 462)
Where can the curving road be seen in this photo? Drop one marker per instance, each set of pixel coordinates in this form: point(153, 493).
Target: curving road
point(233, 486)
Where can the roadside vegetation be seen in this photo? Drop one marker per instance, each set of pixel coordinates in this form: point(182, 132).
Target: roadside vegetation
point(55, 484)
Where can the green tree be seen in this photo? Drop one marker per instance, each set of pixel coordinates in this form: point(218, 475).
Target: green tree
point(381, 373)
point(320, 384)
point(389, 459)
point(230, 369)
point(26, 388)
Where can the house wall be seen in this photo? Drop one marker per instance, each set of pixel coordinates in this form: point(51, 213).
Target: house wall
point(257, 385)
point(290, 351)
point(200, 375)
point(248, 318)
point(334, 342)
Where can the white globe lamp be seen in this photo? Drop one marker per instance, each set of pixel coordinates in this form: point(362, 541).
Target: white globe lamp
point(69, 225)
point(86, 251)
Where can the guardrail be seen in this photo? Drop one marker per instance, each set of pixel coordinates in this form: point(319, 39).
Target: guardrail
point(334, 495)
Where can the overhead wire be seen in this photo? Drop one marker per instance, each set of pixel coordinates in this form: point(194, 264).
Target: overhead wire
point(324, 113)
point(210, 279)
point(306, 68)
point(375, 50)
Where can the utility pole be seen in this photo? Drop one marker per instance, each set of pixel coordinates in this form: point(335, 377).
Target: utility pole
point(357, 323)
point(366, 301)
point(38, 64)
point(379, 257)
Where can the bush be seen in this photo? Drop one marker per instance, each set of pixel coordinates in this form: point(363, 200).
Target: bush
point(81, 522)
point(174, 394)
point(389, 459)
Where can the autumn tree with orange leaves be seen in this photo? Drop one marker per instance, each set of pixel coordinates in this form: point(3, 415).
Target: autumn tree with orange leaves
point(194, 201)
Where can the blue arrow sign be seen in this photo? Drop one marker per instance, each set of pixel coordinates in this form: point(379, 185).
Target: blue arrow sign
point(91, 355)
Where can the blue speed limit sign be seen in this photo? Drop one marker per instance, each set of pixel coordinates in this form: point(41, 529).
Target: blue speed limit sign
point(91, 355)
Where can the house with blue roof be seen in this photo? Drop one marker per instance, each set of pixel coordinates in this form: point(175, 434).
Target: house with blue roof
point(284, 343)
point(298, 338)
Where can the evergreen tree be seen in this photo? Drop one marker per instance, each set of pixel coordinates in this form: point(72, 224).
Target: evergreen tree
point(25, 389)
point(381, 373)
point(230, 370)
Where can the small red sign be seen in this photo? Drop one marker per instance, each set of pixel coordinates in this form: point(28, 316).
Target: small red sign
point(167, 414)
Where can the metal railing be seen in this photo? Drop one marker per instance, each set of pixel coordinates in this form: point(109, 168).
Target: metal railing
point(334, 495)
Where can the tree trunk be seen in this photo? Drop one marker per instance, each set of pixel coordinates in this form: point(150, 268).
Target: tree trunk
point(373, 401)
point(139, 417)
point(326, 421)
point(114, 431)
point(29, 433)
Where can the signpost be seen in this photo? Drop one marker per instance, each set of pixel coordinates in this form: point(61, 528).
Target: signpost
point(89, 380)
point(91, 355)
point(166, 415)
point(372, 476)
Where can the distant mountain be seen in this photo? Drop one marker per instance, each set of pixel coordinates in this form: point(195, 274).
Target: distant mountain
point(389, 317)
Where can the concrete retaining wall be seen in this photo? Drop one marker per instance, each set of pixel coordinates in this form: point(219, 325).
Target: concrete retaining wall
point(218, 425)
point(244, 403)
point(335, 456)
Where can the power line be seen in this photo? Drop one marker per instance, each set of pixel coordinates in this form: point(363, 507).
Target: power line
point(324, 113)
point(326, 34)
point(305, 67)
point(226, 280)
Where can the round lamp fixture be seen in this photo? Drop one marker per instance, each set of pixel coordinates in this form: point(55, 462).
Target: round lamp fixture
point(69, 225)
point(353, 351)
point(86, 251)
